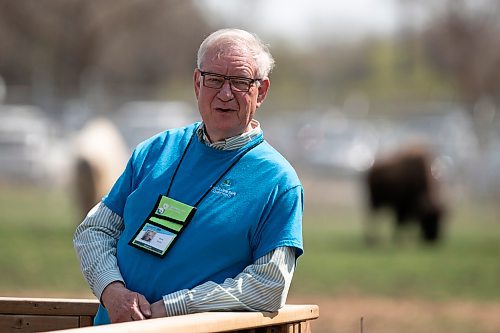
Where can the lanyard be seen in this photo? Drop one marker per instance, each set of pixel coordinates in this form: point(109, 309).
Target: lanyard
point(238, 158)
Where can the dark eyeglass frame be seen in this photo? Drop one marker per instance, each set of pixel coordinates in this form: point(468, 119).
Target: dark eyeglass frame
point(229, 78)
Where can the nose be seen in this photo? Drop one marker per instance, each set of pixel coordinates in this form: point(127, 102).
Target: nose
point(225, 92)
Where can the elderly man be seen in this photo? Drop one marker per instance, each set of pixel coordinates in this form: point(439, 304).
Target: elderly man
point(226, 208)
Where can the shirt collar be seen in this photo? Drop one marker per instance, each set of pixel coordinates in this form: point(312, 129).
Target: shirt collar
point(234, 142)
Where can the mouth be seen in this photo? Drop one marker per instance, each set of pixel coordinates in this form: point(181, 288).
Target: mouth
point(224, 110)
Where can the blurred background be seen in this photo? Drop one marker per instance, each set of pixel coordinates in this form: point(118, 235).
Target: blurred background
point(82, 82)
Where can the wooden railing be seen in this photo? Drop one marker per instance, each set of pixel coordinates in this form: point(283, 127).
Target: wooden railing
point(75, 316)
point(45, 314)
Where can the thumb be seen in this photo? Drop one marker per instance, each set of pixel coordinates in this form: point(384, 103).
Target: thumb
point(144, 306)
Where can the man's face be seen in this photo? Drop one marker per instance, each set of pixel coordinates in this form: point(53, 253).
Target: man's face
point(225, 112)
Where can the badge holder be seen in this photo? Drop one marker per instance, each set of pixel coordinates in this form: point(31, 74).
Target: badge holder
point(163, 226)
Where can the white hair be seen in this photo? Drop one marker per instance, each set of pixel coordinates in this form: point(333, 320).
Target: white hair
point(241, 40)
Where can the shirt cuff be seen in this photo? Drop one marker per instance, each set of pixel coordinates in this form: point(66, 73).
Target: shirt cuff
point(175, 303)
point(104, 280)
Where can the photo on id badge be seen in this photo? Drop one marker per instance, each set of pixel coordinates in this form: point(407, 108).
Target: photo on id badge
point(154, 237)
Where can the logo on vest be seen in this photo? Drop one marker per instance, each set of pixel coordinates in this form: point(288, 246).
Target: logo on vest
point(224, 189)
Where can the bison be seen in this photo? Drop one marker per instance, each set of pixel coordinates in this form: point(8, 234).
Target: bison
point(100, 155)
point(403, 183)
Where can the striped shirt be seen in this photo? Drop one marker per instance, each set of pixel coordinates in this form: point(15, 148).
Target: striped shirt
point(233, 142)
point(261, 286)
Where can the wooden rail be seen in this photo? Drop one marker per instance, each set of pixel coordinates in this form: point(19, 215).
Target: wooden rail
point(73, 315)
point(45, 314)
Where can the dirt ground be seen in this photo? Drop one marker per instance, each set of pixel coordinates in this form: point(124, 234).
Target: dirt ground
point(343, 315)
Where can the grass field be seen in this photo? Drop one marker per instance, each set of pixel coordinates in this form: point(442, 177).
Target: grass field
point(337, 270)
point(36, 228)
point(466, 265)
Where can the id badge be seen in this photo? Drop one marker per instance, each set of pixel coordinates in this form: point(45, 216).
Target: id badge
point(163, 226)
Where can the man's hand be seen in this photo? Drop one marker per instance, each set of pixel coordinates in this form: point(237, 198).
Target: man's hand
point(158, 309)
point(123, 304)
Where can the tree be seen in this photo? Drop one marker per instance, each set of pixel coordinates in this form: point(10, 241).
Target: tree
point(462, 41)
point(64, 43)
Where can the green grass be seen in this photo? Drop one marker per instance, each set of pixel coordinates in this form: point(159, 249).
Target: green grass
point(36, 228)
point(466, 265)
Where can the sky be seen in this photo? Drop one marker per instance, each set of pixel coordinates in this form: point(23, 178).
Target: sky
point(301, 21)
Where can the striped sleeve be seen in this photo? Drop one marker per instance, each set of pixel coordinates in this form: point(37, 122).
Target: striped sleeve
point(262, 286)
point(95, 242)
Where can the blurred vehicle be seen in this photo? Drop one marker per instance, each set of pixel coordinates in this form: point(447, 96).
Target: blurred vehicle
point(24, 143)
point(347, 151)
point(484, 173)
point(140, 120)
point(337, 144)
point(342, 144)
point(449, 133)
point(493, 166)
point(458, 137)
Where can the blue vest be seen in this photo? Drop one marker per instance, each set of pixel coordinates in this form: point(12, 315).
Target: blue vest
point(256, 207)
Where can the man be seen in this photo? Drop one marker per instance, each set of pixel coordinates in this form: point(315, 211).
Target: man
point(226, 207)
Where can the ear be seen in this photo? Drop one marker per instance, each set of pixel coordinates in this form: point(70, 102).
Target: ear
point(263, 88)
point(197, 82)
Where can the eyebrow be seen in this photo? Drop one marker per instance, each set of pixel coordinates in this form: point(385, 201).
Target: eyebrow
point(229, 76)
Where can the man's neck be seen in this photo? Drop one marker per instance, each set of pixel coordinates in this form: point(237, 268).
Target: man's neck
point(220, 138)
point(232, 142)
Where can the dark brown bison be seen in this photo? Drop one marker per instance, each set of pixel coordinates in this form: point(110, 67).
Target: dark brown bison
point(403, 183)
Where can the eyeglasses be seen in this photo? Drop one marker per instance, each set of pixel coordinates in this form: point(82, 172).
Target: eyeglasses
point(237, 83)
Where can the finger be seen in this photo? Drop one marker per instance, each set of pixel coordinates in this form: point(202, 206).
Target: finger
point(136, 311)
point(144, 306)
point(133, 314)
point(136, 314)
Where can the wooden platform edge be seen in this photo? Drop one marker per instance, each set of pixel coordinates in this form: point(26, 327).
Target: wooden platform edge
point(209, 322)
point(48, 306)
